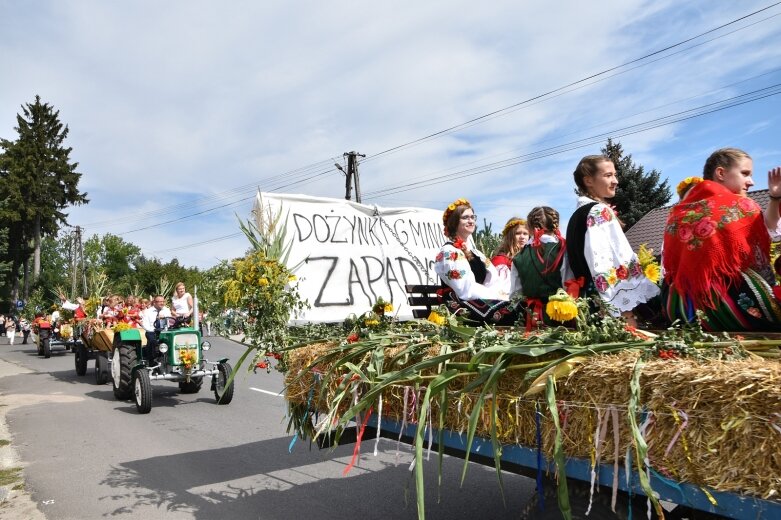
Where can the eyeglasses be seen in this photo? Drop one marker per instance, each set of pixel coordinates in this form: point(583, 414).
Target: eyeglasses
point(469, 217)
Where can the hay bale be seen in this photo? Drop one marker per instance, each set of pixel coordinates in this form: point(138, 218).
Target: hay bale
point(725, 416)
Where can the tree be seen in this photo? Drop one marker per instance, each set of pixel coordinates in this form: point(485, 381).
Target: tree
point(638, 192)
point(115, 257)
point(40, 180)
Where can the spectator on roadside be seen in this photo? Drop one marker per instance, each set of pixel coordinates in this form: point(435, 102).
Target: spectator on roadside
point(24, 326)
point(10, 328)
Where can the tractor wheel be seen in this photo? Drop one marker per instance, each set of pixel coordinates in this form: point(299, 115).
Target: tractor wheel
point(223, 393)
point(47, 348)
point(101, 368)
point(80, 359)
point(122, 363)
point(143, 391)
point(193, 387)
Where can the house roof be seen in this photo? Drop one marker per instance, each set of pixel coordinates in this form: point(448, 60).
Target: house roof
point(650, 229)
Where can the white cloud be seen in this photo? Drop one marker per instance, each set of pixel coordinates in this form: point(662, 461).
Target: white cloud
point(170, 102)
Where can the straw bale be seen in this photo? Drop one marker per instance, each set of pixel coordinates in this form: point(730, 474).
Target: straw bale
point(729, 413)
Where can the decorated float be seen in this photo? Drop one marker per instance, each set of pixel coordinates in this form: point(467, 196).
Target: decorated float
point(607, 418)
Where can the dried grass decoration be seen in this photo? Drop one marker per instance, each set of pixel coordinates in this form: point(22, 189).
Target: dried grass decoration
point(701, 408)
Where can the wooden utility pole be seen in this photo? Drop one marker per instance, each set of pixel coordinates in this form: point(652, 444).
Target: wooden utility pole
point(352, 176)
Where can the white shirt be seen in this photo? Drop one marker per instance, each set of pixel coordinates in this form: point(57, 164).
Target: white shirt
point(607, 251)
point(182, 305)
point(150, 315)
point(452, 267)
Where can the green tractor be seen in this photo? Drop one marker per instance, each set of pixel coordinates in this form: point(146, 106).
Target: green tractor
point(177, 357)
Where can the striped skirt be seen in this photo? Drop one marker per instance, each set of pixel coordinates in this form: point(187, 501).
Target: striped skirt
point(748, 306)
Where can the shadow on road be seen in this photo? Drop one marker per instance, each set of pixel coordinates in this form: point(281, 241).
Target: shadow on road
point(261, 480)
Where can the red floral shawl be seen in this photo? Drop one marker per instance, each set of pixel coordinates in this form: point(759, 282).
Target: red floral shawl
point(710, 238)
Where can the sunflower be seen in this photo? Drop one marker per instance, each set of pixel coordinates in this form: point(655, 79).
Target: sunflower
point(652, 272)
point(561, 307)
point(437, 318)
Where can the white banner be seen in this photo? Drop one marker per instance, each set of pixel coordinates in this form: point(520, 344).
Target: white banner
point(348, 254)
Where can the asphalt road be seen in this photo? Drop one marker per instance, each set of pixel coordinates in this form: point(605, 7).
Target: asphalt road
point(89, 456)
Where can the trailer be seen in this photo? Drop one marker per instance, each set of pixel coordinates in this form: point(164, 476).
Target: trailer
point(681, 499)
point(95, 345)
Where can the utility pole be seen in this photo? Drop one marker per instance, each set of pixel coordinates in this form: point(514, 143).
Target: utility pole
point(352, 175)
point(77, 263)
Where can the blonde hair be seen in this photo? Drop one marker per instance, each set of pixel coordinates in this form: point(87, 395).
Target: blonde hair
point(507, 245)
point(722, 158)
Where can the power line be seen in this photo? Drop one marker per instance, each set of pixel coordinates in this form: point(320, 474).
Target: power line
point(684, 115)
point(572, 84)
point(580, 143)
point(217, 196)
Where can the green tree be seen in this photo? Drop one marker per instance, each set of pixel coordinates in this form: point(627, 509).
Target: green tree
point(638, 192)
point(486, 240)
point(40, 180)
point(114, 256)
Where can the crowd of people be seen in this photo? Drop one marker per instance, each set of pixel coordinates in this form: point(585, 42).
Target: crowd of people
point(715, 254)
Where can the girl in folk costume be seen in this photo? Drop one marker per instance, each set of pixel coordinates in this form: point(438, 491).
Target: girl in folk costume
point(514, 237)
point(599, 254)
point(540, 269)
point(471, 281)
point(717, 249)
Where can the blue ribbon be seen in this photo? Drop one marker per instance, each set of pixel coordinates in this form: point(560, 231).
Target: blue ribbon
point(540, 491)
point(306, 414)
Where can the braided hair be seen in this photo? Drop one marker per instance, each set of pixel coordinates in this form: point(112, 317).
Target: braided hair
point(587, 166)
point(543, 217)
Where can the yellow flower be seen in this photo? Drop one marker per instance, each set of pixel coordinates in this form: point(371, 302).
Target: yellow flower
point(652, 272)
point(371, 323)
point(121, 326)
point(187, 357)
point(561, 307)
point(437, 318)
point(263, 282)
point(388, 307)
point(645, 255)
point(292, 278)
point(452, 207)
point(612, 279)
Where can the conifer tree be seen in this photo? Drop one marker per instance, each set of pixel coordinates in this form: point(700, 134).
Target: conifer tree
point(39, 179)
point(638, 192)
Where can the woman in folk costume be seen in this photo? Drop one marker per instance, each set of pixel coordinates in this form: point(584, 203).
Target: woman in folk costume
point(717, 249)
point(514, 237)
point(540, 269)
point(599, 254)
point(471, 280)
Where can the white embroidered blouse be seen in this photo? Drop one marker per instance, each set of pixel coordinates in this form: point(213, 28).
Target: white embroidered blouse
point(613, 264)
point(452, 267)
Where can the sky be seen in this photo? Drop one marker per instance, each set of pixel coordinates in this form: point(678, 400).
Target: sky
point(180, 111)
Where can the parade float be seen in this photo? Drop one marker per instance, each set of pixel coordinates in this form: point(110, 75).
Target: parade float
point(679, 416)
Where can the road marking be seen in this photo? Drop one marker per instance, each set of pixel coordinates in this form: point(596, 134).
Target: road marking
point(278, 394)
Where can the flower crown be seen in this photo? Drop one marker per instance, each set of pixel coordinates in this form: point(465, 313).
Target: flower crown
point(686, 184)
point(514, 222)
point(451, 208)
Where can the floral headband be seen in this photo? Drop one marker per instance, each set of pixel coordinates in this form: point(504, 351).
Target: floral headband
point(514, 222)
point(686, 184)
point(452, 207)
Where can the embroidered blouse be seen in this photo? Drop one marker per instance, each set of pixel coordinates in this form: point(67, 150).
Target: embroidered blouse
point(454, 270)
point(615, 270)
point(503, 264)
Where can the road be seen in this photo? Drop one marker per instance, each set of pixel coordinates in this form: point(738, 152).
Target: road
point(88, 456)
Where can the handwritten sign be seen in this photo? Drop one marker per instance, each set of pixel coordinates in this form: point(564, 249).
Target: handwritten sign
point(347, 255)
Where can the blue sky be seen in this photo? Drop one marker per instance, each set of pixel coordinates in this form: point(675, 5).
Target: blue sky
point(182, 107)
